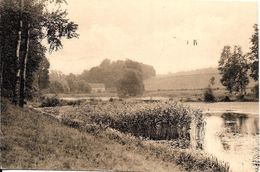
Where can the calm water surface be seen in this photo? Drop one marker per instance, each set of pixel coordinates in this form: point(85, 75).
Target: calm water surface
point(233, 138)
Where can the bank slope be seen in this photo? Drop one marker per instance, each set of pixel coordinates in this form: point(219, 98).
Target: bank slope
point(31, 140)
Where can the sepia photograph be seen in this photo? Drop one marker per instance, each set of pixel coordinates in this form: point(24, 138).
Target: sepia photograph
point(129, 85)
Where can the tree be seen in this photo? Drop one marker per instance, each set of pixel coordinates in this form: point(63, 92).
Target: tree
point(56, 87)
point(43, 74)
point(233, 68)
point(71, 80)
point(212, 81)
point(109, 72)
point(147, 71)
point(59, 77)
point(25, 24)
point(83, 87)
point(253, 54)
point(131, 84)
point(40, 79)
point(208, 93)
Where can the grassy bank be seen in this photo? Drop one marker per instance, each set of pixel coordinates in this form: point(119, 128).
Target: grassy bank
point(103, 115)
point(32, 140)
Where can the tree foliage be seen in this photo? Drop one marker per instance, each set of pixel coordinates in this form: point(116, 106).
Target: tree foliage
point(24, 24)
point(208, 93)
point(125, 77)
point(233, 68)
point(131, 83)
point(253, 54)
point(110, 72)
point(60, 83)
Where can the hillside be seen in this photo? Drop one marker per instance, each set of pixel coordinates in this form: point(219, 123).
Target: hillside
point(195, 79)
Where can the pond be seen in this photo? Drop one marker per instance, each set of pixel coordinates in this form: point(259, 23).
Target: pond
point(233, 138)
point(231, 133)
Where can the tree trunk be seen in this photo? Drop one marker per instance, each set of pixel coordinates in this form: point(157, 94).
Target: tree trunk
point(1, 81)
point(23, 69)
point(18, 60)
point(2, 56)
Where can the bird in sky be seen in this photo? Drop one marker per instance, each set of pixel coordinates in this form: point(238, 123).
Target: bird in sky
point(194, 41)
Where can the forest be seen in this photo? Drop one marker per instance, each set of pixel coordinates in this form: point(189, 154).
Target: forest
point(117, 76)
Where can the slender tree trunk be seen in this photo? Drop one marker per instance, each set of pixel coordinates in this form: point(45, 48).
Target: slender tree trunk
point(2, 72)
point(2, 57)
point(18, 60)
point(23, 69)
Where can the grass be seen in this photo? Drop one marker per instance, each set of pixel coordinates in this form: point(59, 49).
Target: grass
point(154, 120)
point(31, 140)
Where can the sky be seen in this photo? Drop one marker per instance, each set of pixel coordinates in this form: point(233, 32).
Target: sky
point(154, 32)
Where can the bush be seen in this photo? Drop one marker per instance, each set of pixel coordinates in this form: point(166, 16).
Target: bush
point(74, 102)
point(51, 102)
point(208, 95)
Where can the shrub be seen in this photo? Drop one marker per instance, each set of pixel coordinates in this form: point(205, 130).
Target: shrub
point(53, 101)
point(50, 102)
point(74, 102)
point(208, 95)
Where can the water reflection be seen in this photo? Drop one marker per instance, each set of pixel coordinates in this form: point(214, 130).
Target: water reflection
point(233, 137)
point(235, 123)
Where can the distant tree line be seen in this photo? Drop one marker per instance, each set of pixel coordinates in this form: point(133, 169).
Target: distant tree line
point(61, 83)
point(109, 72)
point(23, 26)
point(125, 77)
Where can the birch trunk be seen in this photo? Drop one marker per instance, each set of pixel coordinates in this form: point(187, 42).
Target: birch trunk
point(18, 60)
point(2, 56)
point(23, 69)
